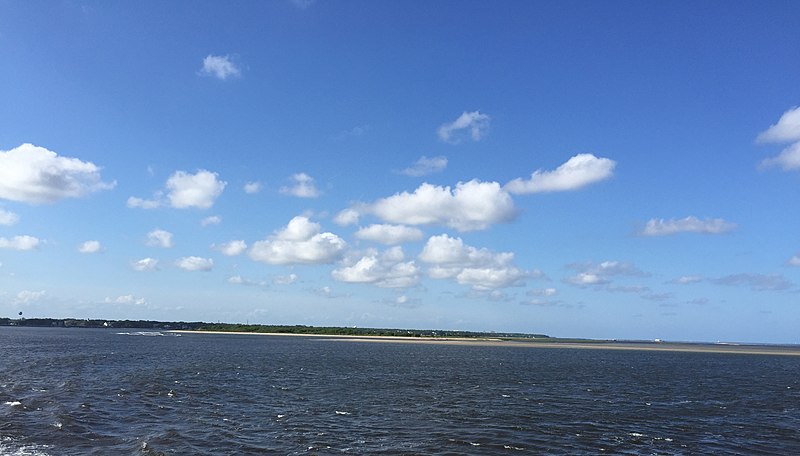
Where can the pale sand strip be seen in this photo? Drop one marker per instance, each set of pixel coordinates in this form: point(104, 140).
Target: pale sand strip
point(640, 346)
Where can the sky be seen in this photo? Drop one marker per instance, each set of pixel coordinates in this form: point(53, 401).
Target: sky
point(622, 169)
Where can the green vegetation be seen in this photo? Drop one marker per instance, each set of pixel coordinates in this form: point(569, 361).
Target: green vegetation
point(278, 329)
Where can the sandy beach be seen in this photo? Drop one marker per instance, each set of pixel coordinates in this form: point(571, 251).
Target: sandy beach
point(742, 349)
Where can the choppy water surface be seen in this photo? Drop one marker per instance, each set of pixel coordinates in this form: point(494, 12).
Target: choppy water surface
point(83, 392)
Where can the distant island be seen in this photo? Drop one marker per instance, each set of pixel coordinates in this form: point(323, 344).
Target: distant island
point(266, 329)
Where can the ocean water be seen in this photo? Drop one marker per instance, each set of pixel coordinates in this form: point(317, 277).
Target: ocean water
point(112, 392)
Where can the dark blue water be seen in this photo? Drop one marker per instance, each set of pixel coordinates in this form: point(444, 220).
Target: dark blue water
point(84, 392)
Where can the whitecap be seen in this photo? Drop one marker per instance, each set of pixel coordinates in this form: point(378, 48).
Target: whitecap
point(342, 413)
point(14, 403)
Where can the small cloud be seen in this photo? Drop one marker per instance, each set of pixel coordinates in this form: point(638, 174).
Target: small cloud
point(658, 297)
point(473, 125)
point(425, 166)
point(661, 227)
point(285, 280)
point(546, 292)
point(685, 280)
point(589, 274)
point(699, 301)
point(300, 242)
point(145, 264)
point(303, 187)
point(219, 66)
point(389, 234)
point(577, 172)
point(8, 218)
point(787, 160)
point(252, 187)
point(795, 260)
point(756, 282)
point(347, 217)
point(35, 175)
point(231, 248)
point(786, 130)
point(23, 242)
point(29, 296)
point(90, 247)
point(356, 131)
point(303, 4)
point(126, 300)
point(212, 220)
point(328, 292)
point(239, 280)
point(185, 190)
point(193, 263)
point(159, 238)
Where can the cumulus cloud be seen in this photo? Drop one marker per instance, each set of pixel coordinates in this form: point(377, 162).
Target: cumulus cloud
point(386, 270)
point(159, 238)
point(348, 216)
point(252, 187)
point(482, 269)
point(661, 227)
point(35, 175)
point(473, 125)
point(546, 292)
point(756, 282)
point(8, 218)
point(220, 66)
point(589, 274)
point(231, 248)
point(90, 247)
point(470, 206)
point(577, 172)
point(285, 280)
point(787, 160)
point(300, 242)
point(425, 166)
point(194, 263)
point(185, 190)
point(145, 264)
point(23, 242)
point(688, 279)
point(303, 187)
point(126, 300)
point(212, 220)
point(239, 280)
point(29, 296)
point(786, 130)
point(794, 261)
point(389, 234)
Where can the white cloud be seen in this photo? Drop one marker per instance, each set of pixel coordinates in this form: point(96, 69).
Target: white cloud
point(389, 234)
point(194, 263)
point(211, 220)
point(239, 280)
point(23, 242)
point(8, 218)
point(185, 190)
point(126, 299)
point(303, 187)
point(220, 67)
point(35, 175)
point(425, 166)
point(145, 264)
point(300, 242)
point(795, 260)
point(787, 160)
point(29, 296)
point(602, 273)
point(386, 270)
point(577, 172)
point(90, 247)
point(469, 124)
point(547, 292)
point(685, 280)
point(346, 217)
point(198, 190)
point(231, 248)
point(159, 238)
point(252, 187)
point(285, 280)
point(786, 130)
point(470, 206)
point(482, 269)
point(661, 227)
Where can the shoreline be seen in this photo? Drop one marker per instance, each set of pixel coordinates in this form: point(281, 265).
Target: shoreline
point(685, 347)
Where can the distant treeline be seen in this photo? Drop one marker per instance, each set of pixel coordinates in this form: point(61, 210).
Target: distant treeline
point(280, 329)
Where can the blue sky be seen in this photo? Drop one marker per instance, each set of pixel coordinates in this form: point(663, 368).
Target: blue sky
point(581, 169)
